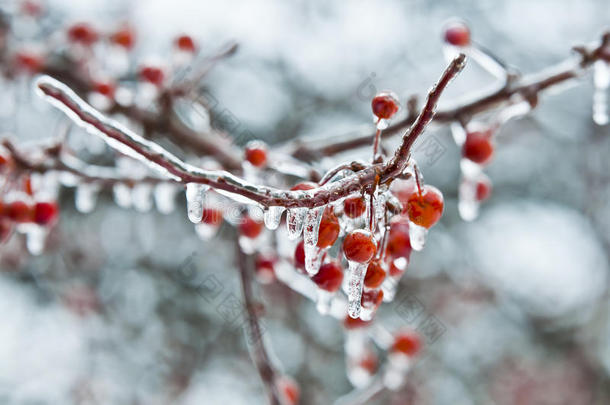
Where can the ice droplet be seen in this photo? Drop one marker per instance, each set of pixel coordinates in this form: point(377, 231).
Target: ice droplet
point(601, 82)
point(85, 197)
point(468, 205)
point(273, 216)
point(417, 236)
point(35, 237)
point(356, 273)
point(194, 201)
point(310, 237)
point(206, 231)
point(142, 197)
point(295, 219)
point(324, 301)
point(122, 195)
point(165, 197)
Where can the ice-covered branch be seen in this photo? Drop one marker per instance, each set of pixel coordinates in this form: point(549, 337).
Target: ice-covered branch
point(528, 87)
point(150, 153)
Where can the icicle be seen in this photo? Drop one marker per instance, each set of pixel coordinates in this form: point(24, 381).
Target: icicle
point(142, 197)
point(206, 231)
point(417, 236)
point(601, 82)
point(86, 197)
point(356, 274)
point(324, 301)
point(468, 205)
point(194, 201)
point(165, 197)
point(122, 195)
point(390, 284)
point(459, 133)
point(35, 238)
point(310, 237)
point(295, 219)
point(273, 216)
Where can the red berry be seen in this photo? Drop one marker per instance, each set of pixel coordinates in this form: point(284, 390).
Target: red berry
point(375, 274)
point(289, 390)
point(152, 74)
point(398, 266)
point(299, 256)
point(211, 216)
point(82, 33)
point(29, 61)
point(5, 162)
point(104, 87)
point(407, 342)
point(354, 323)
point(249, 227)
point(484, 187)
point(372, 298)
point(359, 246)
point(46, 212)
point(185, 43)
point(354, 207)
point(369, 362)
point(457, 33)
point(385, 105)
point(306, 185)
point(6, 229)
point(20, 212)
point(425, 209)
point(399, 242)
point(256, 154)
point(329, 277)
point(478, 147)
point(329, 228)
point(124, 37)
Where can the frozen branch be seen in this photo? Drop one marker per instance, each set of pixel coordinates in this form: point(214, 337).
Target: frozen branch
point(128, 142)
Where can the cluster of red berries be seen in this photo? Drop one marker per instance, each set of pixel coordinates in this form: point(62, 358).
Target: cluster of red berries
point(43, 213)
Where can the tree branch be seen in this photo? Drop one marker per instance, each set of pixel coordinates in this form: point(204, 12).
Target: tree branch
point(126, 141)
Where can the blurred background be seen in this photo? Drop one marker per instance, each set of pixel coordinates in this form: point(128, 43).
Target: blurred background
point(113, 312)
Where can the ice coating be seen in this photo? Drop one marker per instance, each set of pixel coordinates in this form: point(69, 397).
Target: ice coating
point(142, 197)
point(468, 205)
point(194, 201)
point(273, 216)
point(310, 237)
point(356, 272)
point(35, 238)
point(295, 220)
point(85, 197)
point(122, 195)
point(417, 236)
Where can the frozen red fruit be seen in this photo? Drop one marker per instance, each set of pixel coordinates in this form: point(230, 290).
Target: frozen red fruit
point(265, 267)
point(483, 189)
point(398, 266)
point(369, 362)
point(385, 105)
point(354, 207)
point(256, 154)
point(457, 33)
point(407, 342)
point(249, 227)
point(104, 87)
point(329, 228)
point(478, 147)
point(45, 212)
point(425, 209)
point(124, 37)
point(29, 61)
point(359, 246)
point(288, 390)
point(185, 43)
point(372, 298)
point(83, 34)
point(399, 242)
point(20, 211)
point(299, 256)
point(212, 216)
point(375, 274)
point(354, 323)
point(152, 74)
point(329, 276)
point(306, 185)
